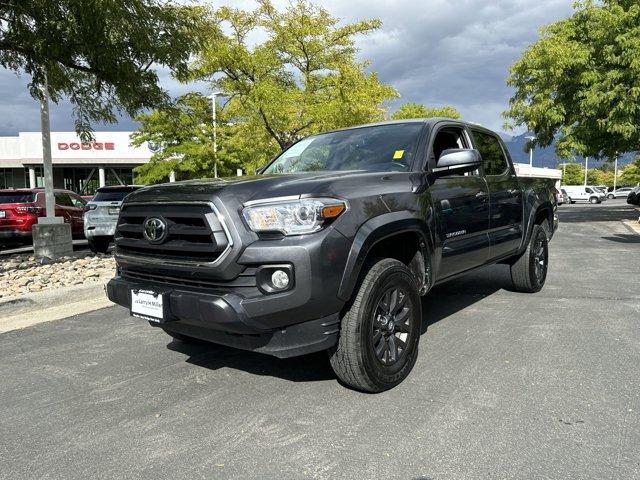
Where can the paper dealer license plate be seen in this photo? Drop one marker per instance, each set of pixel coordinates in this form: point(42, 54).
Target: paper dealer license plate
point(147, 304)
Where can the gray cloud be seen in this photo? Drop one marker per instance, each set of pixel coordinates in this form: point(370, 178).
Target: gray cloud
point(436, 52)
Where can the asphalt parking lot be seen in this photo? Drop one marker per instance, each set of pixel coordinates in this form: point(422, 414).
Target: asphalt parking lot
point(506, 385)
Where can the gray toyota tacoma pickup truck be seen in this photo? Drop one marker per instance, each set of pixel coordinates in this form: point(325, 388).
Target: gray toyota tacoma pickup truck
point(331, 246)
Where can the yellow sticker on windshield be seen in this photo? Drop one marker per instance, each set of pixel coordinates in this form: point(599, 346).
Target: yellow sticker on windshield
point(398, 154)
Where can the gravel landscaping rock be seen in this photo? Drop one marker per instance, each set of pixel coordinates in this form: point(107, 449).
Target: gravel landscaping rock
point(20, 274)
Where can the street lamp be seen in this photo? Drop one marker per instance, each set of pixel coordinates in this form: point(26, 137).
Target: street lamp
point(215, 132)
point(530, 138)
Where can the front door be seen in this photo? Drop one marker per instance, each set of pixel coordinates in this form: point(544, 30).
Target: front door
point(461, 207)
point(505, 196)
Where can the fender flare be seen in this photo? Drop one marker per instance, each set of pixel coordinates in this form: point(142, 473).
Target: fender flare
point(374, 231)
point(533, 213)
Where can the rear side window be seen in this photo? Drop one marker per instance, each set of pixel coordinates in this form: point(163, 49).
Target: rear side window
point(493, 158)
point(64, 199)
point(112, 195)
point(77, 201)
point(13, 197)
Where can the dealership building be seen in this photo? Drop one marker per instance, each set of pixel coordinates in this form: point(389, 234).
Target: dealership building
point(78, 166)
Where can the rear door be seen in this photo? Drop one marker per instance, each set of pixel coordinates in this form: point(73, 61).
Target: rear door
point(505, 194)
point(461, 207)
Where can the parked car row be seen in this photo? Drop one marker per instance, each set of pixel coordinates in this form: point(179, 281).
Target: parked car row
point(582, 193)
point(95, 220)
point(21, 208)
point(591, 193)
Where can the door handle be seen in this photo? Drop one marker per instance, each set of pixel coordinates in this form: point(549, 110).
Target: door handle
point(481, 195)
point(513, 191)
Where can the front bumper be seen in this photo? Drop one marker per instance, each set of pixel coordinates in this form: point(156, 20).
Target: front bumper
point(99, 229)
point(221, 317)
point(15, 235)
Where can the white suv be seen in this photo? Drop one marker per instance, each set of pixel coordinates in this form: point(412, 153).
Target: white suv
point(101, 215)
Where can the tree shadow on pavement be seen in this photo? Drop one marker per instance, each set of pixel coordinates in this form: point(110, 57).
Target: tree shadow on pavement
point(624, 238)
point(596, 213)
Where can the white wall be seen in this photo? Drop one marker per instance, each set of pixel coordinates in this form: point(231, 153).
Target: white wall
point(109, 148)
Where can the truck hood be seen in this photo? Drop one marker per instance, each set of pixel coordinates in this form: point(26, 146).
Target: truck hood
point(239, 190)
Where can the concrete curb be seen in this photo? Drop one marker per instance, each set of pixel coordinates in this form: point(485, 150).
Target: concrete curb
point(49, 305)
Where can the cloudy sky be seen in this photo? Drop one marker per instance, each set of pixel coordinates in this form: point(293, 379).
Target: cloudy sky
point(436, 52)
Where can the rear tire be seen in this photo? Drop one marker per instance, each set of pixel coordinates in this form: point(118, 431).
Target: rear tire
point(99, 244)
point(379, 334)
point(529, 272)
point(611, 196)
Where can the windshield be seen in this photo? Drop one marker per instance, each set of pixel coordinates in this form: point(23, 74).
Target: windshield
point(113, 194)
point(385, 148)
point(17, 197)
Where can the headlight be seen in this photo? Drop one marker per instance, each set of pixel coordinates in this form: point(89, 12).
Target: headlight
point(292, 217)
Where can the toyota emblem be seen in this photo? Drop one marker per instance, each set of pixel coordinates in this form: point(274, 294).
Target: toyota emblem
point(155, 229)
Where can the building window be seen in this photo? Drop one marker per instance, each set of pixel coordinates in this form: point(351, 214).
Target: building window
point(6, 178)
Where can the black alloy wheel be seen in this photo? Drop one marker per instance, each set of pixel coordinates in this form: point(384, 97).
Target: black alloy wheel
point(391, 326)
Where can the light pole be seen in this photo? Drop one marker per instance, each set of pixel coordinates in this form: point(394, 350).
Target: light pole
point(586, 169)
point(51, 235)
point(215, 132)
point(47, 169)
point(530, 138)
point(615, 174)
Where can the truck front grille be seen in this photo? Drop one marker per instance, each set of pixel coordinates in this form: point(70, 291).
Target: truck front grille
point(195, 233)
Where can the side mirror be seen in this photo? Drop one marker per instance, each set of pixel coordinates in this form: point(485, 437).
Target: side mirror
point(457, 160)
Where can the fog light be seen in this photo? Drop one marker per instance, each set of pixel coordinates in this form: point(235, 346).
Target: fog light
point(280, 279)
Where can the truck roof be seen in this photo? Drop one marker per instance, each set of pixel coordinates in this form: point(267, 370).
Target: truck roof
point(427, 121)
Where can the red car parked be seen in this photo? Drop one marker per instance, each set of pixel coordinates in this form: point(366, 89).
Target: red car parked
point(20, 209)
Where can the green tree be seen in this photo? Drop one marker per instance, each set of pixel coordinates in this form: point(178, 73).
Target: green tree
point(417, 110)
point(182, 137)
point(631, 173)
point(100, 54)
point(580, 81)
point(304, 78)
point(573, 174)
point(598, 176)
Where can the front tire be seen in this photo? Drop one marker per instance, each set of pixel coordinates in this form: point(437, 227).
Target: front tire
point(594, 200)
point(611, 196)
point(379, 334)
point(529, 272)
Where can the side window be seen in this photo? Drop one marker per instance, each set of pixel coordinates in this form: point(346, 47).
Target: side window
point(64, 200)
point(77, 201)
point(448, 138)
point(588, 190)
point(493, 158)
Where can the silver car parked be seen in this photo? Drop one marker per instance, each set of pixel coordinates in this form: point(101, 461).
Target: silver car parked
point(621, 192)
point(101, 215)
